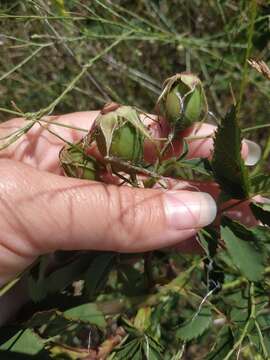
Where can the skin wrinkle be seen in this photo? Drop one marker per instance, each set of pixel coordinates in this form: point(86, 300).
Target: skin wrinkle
point(62, 225)
point(125, 208)
point(106, 195)
point(12, 262)
point(68, 196)
point(133, 217)
point(9, 205)
point(153, 211)
point(21, 203)
point(17, 227)
point(11, 255)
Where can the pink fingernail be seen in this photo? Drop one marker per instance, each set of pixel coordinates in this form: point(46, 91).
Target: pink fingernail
point(188, 209)
point(254, 153)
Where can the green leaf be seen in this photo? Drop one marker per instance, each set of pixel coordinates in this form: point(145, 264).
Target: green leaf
point(97, 273)
point(244, 253)
point(132, 280)
point(261, 212)
point(66, 275)
point(127, 350)
point(228, 166)
point(260, 185)
point(25, 342)
point(58, 279)
point(37, 284)
point(37, 289)
point(196, 326)
point(87, 312)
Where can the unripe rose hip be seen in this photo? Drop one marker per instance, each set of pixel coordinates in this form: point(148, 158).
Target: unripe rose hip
point(182, 100)
point(77, 164)
point(119, 133)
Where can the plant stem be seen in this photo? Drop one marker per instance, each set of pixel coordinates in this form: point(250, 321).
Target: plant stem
point(262, 126)
point(63, 125)
point(85, 68)
point(250, 32)
point(24, 61)
point(35, 117)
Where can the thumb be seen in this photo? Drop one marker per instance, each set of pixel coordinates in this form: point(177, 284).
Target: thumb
point(43, 212)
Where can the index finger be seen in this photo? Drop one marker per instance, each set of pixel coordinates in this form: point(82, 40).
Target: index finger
point(40, 148)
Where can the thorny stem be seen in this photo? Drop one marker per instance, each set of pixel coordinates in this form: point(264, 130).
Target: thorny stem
point(236, 284)
point(129, 165)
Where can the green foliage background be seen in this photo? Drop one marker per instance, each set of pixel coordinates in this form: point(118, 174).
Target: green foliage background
point(209, 38)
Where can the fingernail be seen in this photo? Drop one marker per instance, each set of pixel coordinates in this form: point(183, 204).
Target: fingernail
point(189, 209)
point(254, 153)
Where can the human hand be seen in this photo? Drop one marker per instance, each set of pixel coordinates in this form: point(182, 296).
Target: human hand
point(42, 211)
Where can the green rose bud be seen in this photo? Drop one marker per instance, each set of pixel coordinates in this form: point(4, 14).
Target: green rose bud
point(77, 164)
point(182, 100)
point(119, 133)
